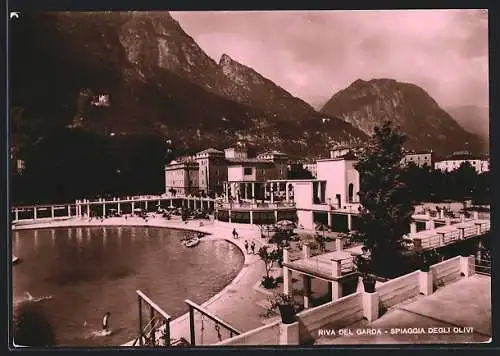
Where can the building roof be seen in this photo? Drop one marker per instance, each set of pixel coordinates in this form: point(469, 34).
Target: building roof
point(411, 153)
point(461, 157)
point(236, 161)
point(273, 152)
point(349, 156)
point(211, 150)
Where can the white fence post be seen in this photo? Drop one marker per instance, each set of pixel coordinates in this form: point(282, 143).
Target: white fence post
point(371, 306)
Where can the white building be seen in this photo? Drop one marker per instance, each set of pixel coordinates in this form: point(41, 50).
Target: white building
point(181, 178)
point(480, 164)
point(420, 159)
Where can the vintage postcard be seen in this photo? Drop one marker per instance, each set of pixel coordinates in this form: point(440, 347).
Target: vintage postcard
point(222, 178)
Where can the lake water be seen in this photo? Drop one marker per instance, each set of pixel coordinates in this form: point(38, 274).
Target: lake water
point(91, 270)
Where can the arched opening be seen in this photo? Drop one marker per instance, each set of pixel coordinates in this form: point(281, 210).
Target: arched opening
point(351, 192)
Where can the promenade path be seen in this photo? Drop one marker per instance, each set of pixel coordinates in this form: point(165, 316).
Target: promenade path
point(463, 304)
point(236, 304)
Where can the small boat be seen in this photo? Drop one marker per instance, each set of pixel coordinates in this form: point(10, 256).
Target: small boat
point(192, 242)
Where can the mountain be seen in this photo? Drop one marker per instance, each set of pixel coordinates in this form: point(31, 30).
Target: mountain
point(88, 89)
point(262, 92)
point(366, 104)
point(159, 81)
point(473, 118)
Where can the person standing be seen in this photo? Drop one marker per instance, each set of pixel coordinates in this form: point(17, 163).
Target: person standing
point(252, 247)
point(105, 322)
point(246, 246)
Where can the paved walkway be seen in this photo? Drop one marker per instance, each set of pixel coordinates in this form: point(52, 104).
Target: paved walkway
point(236, 304)
point(453, 308)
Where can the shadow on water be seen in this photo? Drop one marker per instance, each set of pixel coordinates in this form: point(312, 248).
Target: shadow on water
point(31, 327)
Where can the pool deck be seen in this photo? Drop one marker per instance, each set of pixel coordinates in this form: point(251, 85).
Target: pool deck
point(460, 305)
point(236, 304)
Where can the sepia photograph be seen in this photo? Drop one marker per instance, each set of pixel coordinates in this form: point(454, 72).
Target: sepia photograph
point(249, 178)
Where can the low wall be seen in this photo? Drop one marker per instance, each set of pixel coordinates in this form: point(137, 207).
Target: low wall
point(265, 335)
point(399, 289)
point(355, 307)
point(337, 314)
point(446, 271)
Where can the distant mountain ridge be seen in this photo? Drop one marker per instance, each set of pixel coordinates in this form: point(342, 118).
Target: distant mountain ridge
point(474, 119)
point(160, 82)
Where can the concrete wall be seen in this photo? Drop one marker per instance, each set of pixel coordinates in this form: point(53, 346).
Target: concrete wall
point(265, 335)
point(337, 314)
point(303, 195)
point(399, 289)
point(352, 308)
point(351, 176)
point(305, 218)
point(333, 171)
point(235, 174)
point(446, 271)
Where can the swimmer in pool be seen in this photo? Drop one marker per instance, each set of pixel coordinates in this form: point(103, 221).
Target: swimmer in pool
point(28, 297)
point(105, 322)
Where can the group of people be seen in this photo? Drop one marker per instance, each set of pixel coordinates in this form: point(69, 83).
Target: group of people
point(252, 247)
point(248, 246)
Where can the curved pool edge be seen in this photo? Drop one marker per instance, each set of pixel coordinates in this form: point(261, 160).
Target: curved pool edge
point(211, 231)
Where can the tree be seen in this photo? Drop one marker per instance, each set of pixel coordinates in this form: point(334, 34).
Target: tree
point(386, 211)
point(269, 258)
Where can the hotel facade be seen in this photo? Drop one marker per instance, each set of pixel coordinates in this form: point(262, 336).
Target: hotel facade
point(257, 190)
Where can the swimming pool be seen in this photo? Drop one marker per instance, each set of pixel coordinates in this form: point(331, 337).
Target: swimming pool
point(91, 270)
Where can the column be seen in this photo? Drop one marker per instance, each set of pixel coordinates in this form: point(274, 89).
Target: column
point(475, 215)
point(336, 273)
point(34, 213)
point(413, 227)
point(430, 225)
point(462, 217)
point(349, 221)
point(447, 221)
point(133, 207)
point(339, 244)
point(272, 192)
point(104, 209)
point(330, 218)
point(306, 250)
point(119, 208)
point(88, 208)
point(69, 210)
point(441, 214)
point(52, 212)
point(425, 283)
point(306, 281)
point(478, 228)
point(253, 191)
point(276, 215)
point(16, 214)
point(146, 205)
point(251, 217)
point(287, 274)
point(229, 218)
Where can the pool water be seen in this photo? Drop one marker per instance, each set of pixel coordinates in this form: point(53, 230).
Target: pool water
point(88, 271)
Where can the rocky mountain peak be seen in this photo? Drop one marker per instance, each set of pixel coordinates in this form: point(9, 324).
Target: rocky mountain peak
point(225, 60)
point(366, 104)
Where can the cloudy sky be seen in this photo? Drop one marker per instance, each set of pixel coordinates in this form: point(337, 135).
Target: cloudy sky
point(316, 53)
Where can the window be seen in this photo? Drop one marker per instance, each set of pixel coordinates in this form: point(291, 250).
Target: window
point(247, 171)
